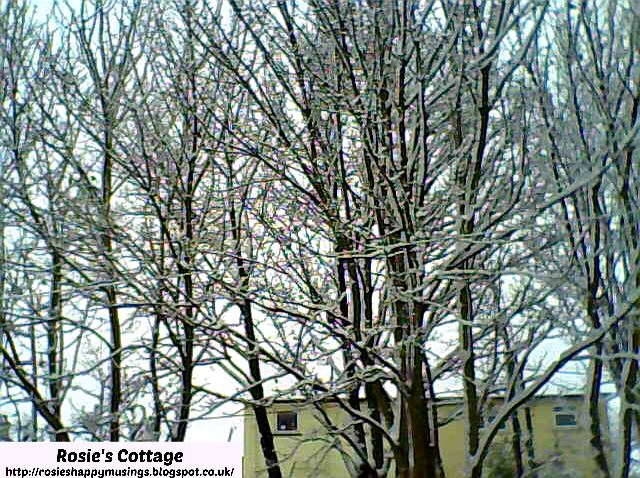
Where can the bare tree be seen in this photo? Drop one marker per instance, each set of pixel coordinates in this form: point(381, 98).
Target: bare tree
point(371, 158)
point(22, 56)
point(93, 76)
point(589, 117)
point(359, 200)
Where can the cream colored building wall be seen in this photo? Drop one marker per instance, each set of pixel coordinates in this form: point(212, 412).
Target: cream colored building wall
point(301, 455)
point(558, 448)
point(311, 452)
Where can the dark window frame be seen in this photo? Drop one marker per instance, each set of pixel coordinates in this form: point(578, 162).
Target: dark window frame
point(565, 417)
point(287, 422)
point(564, 420)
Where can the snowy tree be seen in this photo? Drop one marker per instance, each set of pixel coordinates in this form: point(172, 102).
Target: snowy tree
point(376, 203)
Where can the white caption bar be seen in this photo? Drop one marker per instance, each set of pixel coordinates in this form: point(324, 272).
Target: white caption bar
point(106, 459)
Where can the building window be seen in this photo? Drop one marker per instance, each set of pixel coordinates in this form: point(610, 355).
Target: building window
point(287, 421)
point(565, 416)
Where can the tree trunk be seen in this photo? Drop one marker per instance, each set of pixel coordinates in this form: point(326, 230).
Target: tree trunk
point(110, 290)
point(255, 388)
point(54, 338)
